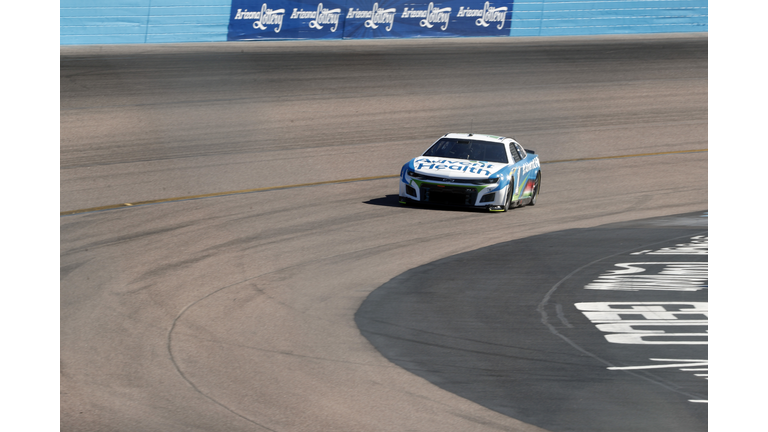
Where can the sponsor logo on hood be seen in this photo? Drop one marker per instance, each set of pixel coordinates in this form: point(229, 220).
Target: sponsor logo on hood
point(449, 166)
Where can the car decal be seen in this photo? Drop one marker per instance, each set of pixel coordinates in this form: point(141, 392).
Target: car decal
point(528, 191)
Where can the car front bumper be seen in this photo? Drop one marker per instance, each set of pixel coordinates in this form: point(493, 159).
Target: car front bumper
point(452, 194)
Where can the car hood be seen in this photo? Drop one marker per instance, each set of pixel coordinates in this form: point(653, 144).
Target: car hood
point(454, 168)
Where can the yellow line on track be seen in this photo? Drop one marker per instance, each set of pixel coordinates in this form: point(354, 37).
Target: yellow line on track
point(218, 194)
point(628, 156)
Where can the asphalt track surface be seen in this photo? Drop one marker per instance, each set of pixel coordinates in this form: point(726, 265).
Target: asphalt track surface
point(472, 324)
point(195, 308)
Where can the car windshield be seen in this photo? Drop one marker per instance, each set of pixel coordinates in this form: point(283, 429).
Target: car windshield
point(468, 149)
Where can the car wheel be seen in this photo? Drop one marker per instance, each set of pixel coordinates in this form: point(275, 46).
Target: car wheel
point(508, 200)
point(536, 187)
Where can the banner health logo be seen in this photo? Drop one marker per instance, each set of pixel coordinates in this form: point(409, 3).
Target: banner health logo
point(487, 15)
point(431, 16)
point(263, 18)
point(321, 17)
point(376, 17)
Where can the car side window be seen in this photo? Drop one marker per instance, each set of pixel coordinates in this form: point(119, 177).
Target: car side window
point(515, 155)
point(521, 150)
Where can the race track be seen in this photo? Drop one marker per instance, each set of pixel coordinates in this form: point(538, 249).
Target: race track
point(193, 308)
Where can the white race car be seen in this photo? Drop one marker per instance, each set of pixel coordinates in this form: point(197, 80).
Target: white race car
point(473, 170)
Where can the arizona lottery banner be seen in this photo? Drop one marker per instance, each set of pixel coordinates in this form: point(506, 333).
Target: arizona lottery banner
point(367, 19)
point(286, 19)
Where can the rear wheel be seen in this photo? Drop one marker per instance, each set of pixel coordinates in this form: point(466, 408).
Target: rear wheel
point(536, 187)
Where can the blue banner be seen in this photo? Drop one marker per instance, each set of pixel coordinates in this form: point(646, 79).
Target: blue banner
point(285, 19)
point(367, 19)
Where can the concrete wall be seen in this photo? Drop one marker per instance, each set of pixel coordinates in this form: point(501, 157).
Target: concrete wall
point(143, 21)
point(167, 21)
point(592, 17)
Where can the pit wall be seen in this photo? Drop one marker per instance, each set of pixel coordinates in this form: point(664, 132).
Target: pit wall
point(173, 21)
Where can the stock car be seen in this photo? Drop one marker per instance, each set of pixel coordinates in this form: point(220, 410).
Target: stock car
point(473, 170)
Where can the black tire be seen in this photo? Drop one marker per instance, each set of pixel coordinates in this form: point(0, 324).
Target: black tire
point(536, 188)
point(508, 200)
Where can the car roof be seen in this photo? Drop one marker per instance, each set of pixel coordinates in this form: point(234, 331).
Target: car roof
point(478, 137)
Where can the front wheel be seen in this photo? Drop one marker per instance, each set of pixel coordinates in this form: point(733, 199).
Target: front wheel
point(508, 200)
point(536, 188)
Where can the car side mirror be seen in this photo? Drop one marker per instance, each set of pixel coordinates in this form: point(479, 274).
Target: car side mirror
point(529, 151)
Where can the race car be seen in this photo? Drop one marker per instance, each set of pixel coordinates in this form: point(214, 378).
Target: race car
point(473, 170)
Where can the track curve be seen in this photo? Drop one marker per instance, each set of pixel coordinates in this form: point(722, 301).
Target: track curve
point(236, 312)
point(503, 326)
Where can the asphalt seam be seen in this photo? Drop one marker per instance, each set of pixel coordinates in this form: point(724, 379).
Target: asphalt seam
point(273, 188)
